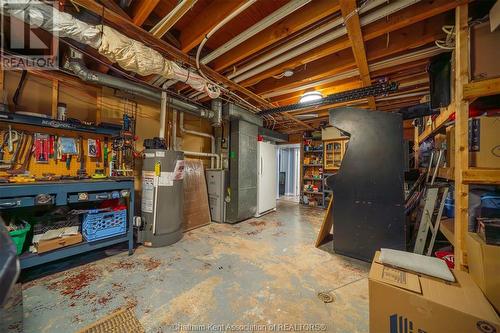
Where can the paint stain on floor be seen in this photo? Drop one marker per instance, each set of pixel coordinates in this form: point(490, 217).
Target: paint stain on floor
point(263, 271)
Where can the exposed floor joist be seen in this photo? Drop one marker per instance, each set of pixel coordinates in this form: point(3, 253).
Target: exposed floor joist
point(168, 50)
point(194, 33)
point(406, 17)
point(351, 20)
point(309, 14)
point(166, 23)
point(141, 10)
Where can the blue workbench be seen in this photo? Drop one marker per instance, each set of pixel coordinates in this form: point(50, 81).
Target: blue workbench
point(67, 192)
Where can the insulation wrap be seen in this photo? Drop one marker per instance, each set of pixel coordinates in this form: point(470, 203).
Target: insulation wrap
point(128, 53)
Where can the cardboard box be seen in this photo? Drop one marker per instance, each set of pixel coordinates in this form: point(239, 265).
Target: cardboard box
point(488, 154)
point(404, 302)
point(484, 52)
point(486, 151)
point(330, 133)
point(57, 243)
point(484, 267)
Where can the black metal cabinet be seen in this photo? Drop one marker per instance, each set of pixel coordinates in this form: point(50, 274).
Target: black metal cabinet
point(368, 210)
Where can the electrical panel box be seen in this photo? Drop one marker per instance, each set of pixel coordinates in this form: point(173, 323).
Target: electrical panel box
point(215, 185)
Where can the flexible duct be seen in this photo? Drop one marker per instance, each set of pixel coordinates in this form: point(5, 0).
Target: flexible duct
point(129, 54)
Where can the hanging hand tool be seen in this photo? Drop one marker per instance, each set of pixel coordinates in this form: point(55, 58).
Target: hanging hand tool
point(41, 148)
point(105, 156)
point(82, 172)
point(67, 158)
point(25, 151)
point(51, 146)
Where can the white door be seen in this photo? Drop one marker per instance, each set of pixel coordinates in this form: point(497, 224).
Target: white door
point(267, 177)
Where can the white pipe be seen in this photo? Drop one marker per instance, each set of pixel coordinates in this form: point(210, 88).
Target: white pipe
point(256, 28)
point(310, 43)
point(167, 22)
point(163, 114)
point(198, 154)
point(204, 135)
point(217, 27)
point(174, 129)
point(409, 57)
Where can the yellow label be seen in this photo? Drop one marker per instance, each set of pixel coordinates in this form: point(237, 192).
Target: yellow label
point(157, 169)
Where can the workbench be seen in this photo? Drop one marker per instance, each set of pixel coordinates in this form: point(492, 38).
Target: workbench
point(64, 192)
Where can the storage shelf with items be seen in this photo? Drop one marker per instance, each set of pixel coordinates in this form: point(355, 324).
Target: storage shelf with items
point(64, 219)
point(471, 123)
point(334, 151)
point(312, 172)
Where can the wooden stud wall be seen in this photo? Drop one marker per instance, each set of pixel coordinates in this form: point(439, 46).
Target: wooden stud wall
point(461, 134)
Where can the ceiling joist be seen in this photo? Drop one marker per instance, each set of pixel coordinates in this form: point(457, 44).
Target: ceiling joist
point(351, 20)
point(133, 31)
point(166, 23)
point(406, 17)
point(194, 33)
point(306, 16)
point(141, 10)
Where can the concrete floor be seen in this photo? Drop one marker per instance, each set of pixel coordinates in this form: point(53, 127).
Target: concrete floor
point(260, 271)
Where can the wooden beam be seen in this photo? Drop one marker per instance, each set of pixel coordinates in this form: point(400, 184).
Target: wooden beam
point(110, 4)
point(481, 176)
point(194, 33)
point(351, 22)
point(300, 122)
point(141, 10)
point(461, 134)
point(55, 98)
point(162, 27)
point(135, 32)
point(406, 17)
point(401, 40)
point(482, 88)
point(309, 14)
point(2, 85)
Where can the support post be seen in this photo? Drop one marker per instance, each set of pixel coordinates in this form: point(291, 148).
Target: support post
point(55, 98)
point(461, 134)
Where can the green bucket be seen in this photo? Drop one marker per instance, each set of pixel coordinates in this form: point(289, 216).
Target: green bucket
point(19, 236)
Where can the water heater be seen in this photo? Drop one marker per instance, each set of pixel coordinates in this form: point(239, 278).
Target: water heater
point(162, 198)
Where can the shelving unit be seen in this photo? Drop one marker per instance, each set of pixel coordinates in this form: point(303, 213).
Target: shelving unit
point(315, 154)
point(64, 193)
point(334, 151)
point(462, 174)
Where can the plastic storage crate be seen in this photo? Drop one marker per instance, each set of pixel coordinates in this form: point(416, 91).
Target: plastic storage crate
point(19, 237)
point(99, 225)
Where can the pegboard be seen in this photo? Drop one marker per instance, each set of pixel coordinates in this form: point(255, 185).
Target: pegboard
point(59, 168)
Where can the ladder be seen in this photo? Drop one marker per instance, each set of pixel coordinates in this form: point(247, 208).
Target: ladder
point(430, 219)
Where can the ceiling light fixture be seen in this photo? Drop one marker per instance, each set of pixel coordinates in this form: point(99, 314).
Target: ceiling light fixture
point(306, 116)
point(287, 72)
point(310, 97)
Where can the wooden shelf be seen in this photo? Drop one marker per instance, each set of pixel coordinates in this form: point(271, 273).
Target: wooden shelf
point(482, 88)
point(312, 192)
point(437, 123)
point(481, 176)
point(446, 173)
point(313, 165)
point(447, 228)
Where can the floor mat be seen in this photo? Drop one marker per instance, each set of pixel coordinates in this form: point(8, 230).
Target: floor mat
point(123, 320)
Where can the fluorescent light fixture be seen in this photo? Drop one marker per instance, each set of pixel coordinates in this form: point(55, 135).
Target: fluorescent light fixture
point(310, 97)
